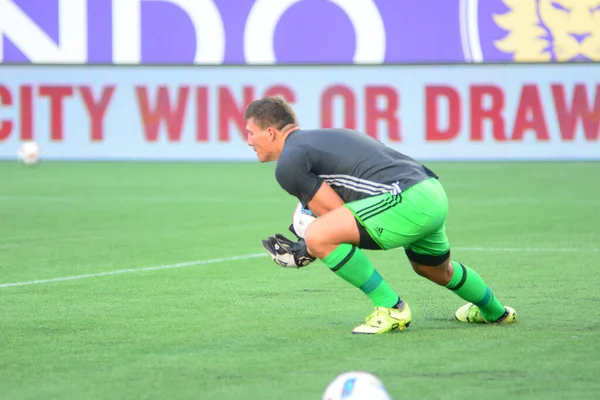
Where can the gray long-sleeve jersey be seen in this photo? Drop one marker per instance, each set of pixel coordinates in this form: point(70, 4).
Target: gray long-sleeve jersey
point(354, 164)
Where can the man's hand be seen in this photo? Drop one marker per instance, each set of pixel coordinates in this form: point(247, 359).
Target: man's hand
point(286, 253)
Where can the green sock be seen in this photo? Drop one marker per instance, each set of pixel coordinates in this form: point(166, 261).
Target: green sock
point(351, 264)
point(468, 285)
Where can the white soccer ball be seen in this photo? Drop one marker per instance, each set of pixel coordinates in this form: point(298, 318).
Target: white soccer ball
point(301, 219)
point(29, 153)
point(356, 385)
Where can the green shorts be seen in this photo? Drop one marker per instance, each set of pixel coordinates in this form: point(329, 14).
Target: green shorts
point(415, 220)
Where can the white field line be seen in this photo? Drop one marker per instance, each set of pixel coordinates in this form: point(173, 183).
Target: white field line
point(249, 256)
point(127, 271)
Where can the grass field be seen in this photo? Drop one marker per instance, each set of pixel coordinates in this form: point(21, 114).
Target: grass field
point(222, 328)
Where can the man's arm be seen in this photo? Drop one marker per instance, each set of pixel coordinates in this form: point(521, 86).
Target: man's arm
point(325, 200)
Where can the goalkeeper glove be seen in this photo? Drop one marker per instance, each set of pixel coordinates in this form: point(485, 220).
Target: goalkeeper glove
point(286, 253)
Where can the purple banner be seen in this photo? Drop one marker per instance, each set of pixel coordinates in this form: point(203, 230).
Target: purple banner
point(298, 31)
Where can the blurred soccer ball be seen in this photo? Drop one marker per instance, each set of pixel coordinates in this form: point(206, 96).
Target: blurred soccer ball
point(29, 153)
point(302, 218)
point(356, 385)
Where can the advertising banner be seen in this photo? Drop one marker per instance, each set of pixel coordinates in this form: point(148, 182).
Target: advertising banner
point(298, 31)
point(508, 112)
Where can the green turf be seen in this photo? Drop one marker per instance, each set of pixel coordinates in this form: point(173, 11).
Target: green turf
point(247, 329)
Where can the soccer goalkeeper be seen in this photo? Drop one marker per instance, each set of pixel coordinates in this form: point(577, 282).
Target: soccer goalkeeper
point(366, 196)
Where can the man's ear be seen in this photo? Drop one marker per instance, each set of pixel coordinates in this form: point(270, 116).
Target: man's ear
point(272, 133)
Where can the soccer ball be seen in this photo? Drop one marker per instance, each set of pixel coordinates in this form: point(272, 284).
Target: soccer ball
point(29, 153)
point(301, 219)
point(356, 385)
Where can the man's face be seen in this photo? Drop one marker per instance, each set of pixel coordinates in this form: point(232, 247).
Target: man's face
point(262, 141)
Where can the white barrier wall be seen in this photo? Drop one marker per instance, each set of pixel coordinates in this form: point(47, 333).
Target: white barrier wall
point(500, 112)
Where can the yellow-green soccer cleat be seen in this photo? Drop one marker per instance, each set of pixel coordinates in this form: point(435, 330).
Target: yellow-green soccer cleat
point(384, 320)
point(470, 313)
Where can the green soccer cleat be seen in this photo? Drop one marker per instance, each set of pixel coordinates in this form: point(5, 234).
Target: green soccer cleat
point(384, 320)
point(470, 313)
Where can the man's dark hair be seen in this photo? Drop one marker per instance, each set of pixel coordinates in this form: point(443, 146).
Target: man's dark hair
point(270, 112)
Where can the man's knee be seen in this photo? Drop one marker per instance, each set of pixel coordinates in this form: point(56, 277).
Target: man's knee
point(327, 232)
point(314, 236)
point(437, 269)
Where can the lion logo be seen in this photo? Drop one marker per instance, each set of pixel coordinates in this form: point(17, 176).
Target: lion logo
point(551, 30)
